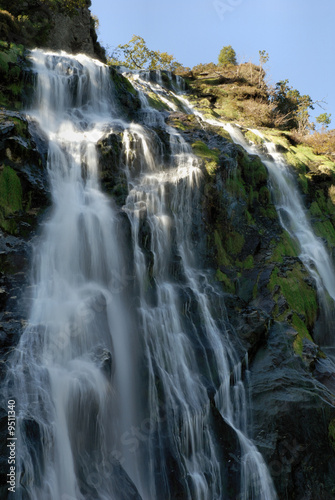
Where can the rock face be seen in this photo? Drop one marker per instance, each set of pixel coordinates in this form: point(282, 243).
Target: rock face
point(271, 301)
point(72, 34)
point(274, 308)
point(54, 25)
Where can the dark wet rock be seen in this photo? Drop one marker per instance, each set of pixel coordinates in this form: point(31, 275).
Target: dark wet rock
point(125, 95)
point(105, 361)
point(230, 450)
point(291, 412)
point(325, 372)
point(52, 25)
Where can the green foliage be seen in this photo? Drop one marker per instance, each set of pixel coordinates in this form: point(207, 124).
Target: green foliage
point(136, 55)
point(67, 6)
point(8, 25)
point(11, 75)
point(292, 107)
point(263, 57)
point(324, 119)
point(227, 56)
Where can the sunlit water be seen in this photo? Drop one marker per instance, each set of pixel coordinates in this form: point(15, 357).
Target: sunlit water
point(127, 365)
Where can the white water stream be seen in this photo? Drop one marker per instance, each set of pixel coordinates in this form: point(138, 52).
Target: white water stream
point(294, 219)
point(116, 384)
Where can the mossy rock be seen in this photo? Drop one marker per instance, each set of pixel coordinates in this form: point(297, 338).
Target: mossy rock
point(125, 94)
point(253, 170)
point(221, 254)
point(254, 138)
point(156, 103)
point(229, 287)
point(210, 156)
point(10, 198)
point(286, 247)
point(302, 333)
point(300, 296)
point(331, 433)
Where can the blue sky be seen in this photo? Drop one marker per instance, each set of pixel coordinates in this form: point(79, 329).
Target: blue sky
point(299, 35)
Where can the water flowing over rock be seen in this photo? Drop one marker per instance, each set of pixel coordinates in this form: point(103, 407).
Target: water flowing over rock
point(174, 340)
point(122, 363)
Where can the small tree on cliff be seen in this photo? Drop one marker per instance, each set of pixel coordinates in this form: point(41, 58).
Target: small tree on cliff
point(324, 119)
point(227, 56)
point(136, 55)
point(263, 59)
point(293, 108)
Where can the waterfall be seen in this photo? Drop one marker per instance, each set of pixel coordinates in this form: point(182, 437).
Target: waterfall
point(294, 220)
point(126, 379)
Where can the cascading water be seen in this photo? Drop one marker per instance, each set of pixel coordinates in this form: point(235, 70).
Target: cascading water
point(119, 385)
point(61, 372)
point(294, 219)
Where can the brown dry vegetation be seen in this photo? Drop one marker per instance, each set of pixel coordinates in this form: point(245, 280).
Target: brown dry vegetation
point(234, 93)
point(322, 142)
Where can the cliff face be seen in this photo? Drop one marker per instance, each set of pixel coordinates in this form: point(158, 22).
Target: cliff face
point(271, 299)
point(50, 24)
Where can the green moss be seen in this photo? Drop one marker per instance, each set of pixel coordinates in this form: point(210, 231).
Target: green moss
point(200, 149)
point(254, 172)
point(156, 103)
point(249, 218)
point(300, 296)
point(249, 262)
point(293, 160)
point(256, 139)
point(264, 195)
point(10, 191)
point(300, 327)
point(210, 156)
point(234, 243)
point(303, 183)
point(286, 247)
point(278, 138)
point(315, 209)
point(21, 127)
point(302, 158)
point(331, 433)
point(228, 285)
point(211, 167)
point(235, 186)
point(325, 230)
point(319, 210)
point(10, 199)
point(222, 257)
point(269, 212)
